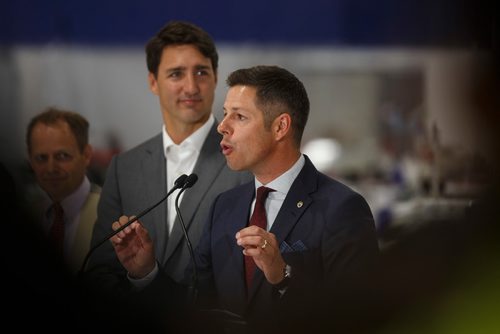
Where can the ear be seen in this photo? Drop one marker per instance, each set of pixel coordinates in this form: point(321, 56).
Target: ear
point(87, 154)
point(30, 161)
point(153, 84)
point(282, 125)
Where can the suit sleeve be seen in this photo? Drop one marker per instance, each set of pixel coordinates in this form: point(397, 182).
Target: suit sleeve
point(350, 248)
point(104, 268)
point(334, 278)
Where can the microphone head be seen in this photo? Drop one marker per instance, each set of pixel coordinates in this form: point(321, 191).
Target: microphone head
point(180, 181)
point(190, 181)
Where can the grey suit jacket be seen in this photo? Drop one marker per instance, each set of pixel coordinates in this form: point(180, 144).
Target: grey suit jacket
point(135, 180)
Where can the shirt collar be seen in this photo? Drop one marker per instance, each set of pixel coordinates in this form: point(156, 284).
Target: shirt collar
point(74, 202)
point(195, 140)
point(283, 183)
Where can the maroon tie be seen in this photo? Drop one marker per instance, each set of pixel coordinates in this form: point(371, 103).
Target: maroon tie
point(56, 233)
point(259, 219)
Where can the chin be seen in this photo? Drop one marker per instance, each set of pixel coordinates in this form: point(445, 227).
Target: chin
point(234, 166)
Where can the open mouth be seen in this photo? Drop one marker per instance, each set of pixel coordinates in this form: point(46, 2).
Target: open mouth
point(226, 149)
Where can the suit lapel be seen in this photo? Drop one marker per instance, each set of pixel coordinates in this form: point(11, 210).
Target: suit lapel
point(240, 216)
point(153, 171)
point(238, 219)
point(208, 166)
point(296, 203)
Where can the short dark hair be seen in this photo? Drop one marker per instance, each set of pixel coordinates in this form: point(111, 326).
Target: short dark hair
point(180, 33)
point(278, 91)
point(78, 125)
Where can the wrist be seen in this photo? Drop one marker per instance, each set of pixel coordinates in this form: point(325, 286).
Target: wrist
point(287, 274)
point(143, 272)
point(142, 282)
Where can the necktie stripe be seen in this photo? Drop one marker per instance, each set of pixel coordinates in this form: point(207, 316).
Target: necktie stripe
point(56, 233)
point(258, 219)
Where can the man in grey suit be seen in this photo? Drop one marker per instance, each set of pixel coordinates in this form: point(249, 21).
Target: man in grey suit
point(182, 63)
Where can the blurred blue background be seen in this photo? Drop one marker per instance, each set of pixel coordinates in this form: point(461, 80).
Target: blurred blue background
point(331, 22)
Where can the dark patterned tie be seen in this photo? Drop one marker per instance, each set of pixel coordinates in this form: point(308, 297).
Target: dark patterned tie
point(259, 219)
point(56, 233)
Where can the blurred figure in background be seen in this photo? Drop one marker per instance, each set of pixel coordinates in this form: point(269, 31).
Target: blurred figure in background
point(101, 158)
point(444, 277)
point(65, 201)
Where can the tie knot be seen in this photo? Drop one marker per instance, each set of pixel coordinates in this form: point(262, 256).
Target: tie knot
point(58, 210)
point(262, 193)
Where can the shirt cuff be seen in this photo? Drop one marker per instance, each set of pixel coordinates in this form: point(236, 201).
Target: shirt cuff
point(141, 283)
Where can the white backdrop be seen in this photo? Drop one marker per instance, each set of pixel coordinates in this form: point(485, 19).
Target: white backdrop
point(109, 87)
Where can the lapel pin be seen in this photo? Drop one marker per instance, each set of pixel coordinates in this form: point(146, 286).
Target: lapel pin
point(299, 204)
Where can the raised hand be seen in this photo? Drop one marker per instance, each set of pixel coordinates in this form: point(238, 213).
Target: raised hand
point(263, 247)
point(134, 248)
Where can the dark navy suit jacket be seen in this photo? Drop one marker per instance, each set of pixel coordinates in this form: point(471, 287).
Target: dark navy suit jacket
point(325, 231)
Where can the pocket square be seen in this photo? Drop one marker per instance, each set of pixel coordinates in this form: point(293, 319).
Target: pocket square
point(297, 246)
point(285, 248)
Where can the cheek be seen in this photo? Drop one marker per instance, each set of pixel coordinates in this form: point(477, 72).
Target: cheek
point(164, 96)
point(64, 168)
point(38, 167)
point(38, 170)
point(164, 91)
point(169, 99)
point(76, 168)
point(208, 89)
point(247, 139)
point(256, 146)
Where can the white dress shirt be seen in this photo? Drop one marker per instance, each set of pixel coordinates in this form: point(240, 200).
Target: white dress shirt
point(281, 185)
point(181, 159)
point(71, 206)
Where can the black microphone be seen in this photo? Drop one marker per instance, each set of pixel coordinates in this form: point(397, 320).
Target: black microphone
point(190, 181)
point(180, 182)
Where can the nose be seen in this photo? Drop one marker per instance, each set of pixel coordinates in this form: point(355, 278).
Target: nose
point(222, 128)
point(191, 84)
point(52, 165)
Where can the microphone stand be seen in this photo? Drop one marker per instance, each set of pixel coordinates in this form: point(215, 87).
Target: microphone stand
point(193, 289)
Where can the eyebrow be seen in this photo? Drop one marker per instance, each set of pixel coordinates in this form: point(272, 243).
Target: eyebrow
point(202, 67)
point(184, 68)
point(174, 69)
